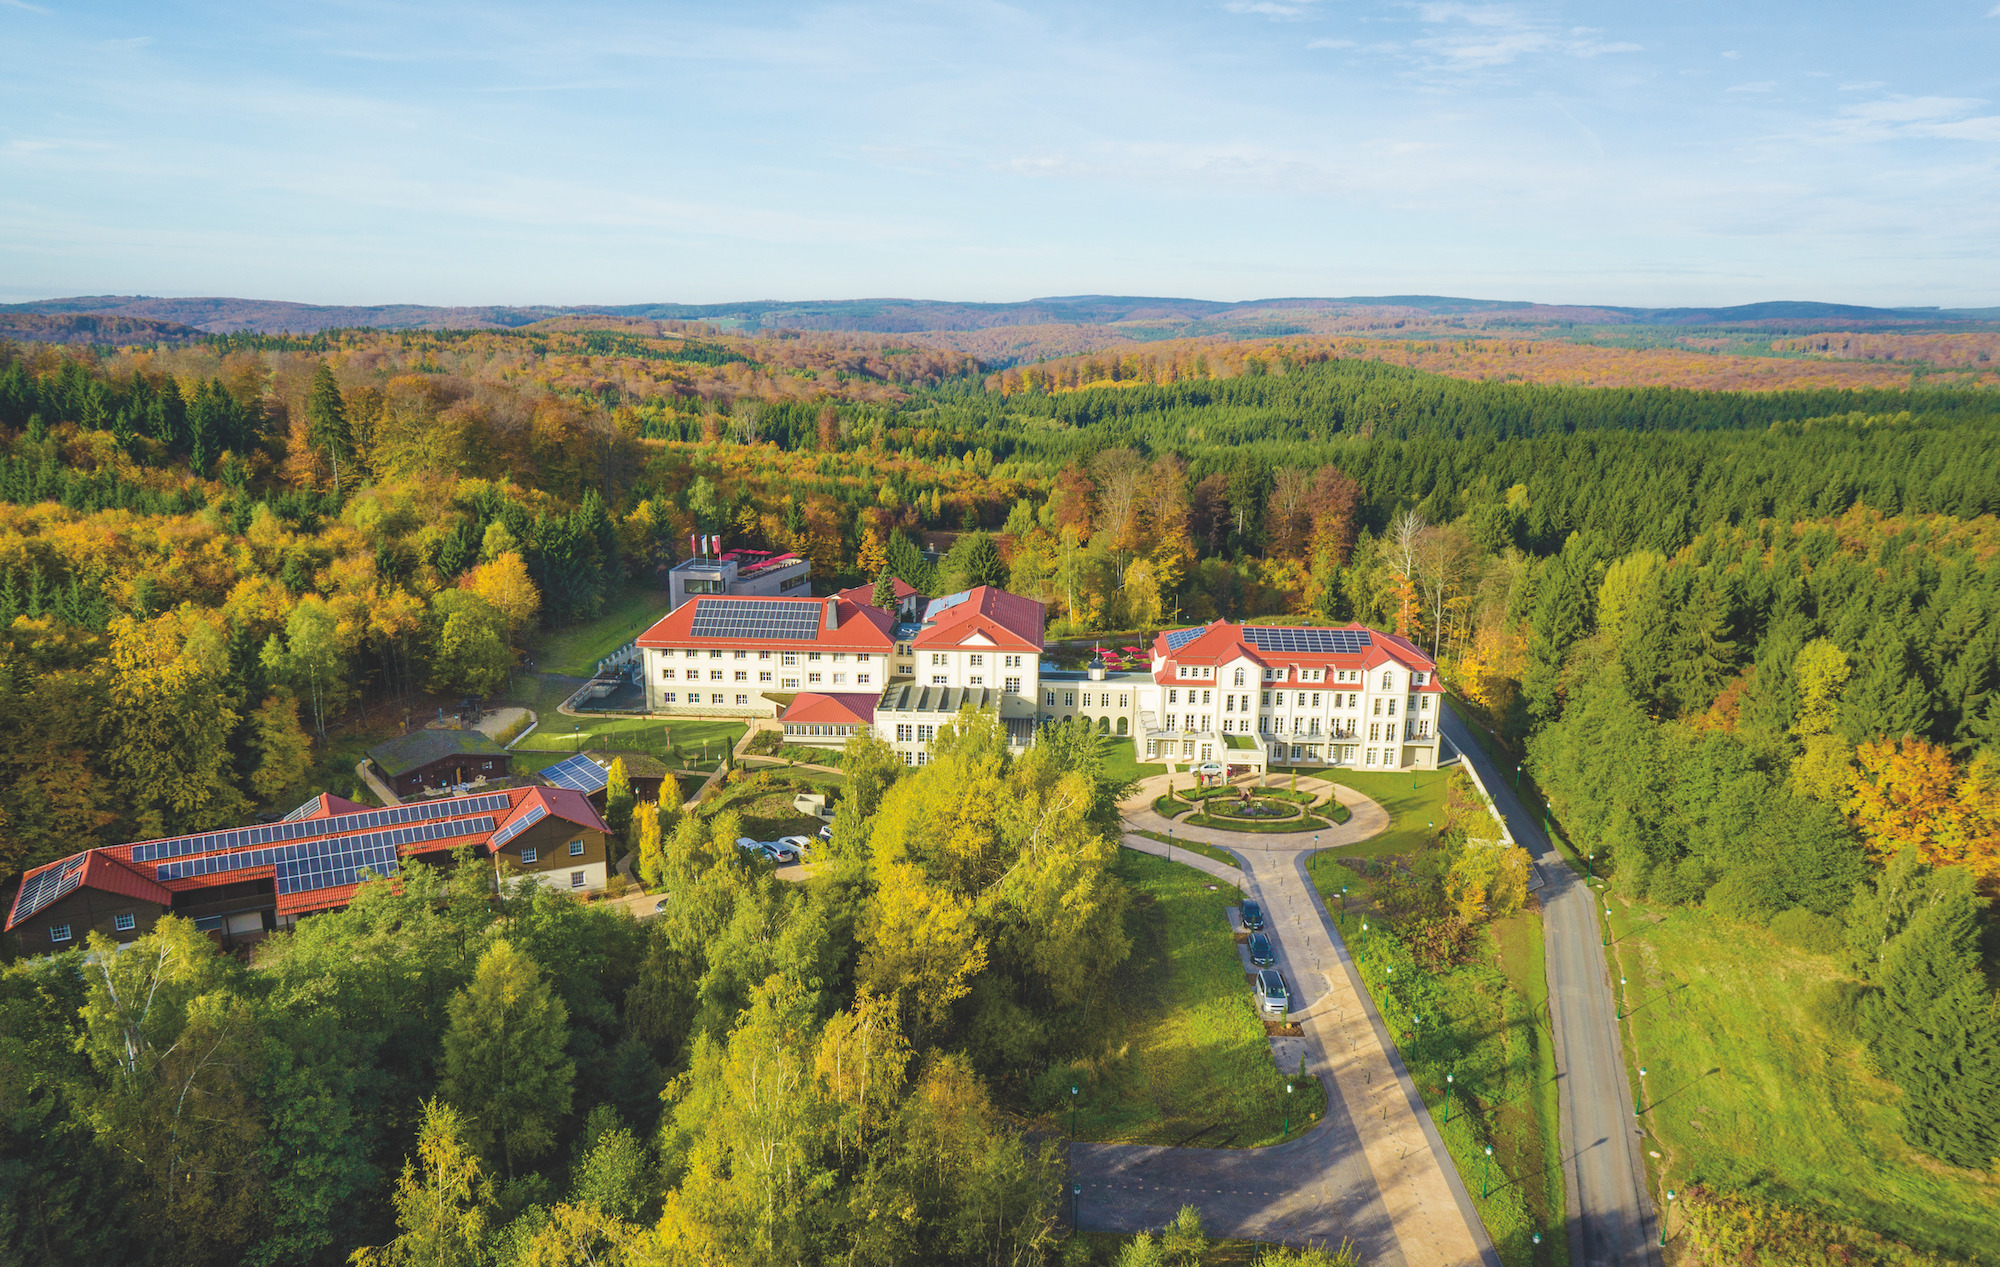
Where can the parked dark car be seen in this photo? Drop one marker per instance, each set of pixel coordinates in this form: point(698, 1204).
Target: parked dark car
point(1253, 916)
point(1260, 951)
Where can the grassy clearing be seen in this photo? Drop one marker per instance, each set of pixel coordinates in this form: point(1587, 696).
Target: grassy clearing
point(1222, 856)
point(1414, 799)
point(576, 650)
point(1483, 1024)
point(1121, 761)
point(1745, 1091)
point(1182, 1057)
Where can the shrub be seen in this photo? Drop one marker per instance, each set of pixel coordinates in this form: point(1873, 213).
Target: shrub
point(513, 729)
point(1739, 897)
point(1836, 1008)
point(1810, 931)
point(1681, 883)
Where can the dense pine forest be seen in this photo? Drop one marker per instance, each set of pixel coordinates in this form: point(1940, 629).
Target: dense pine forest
point(1747, 645)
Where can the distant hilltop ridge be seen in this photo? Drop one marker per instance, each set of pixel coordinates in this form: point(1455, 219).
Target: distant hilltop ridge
point(89, 317)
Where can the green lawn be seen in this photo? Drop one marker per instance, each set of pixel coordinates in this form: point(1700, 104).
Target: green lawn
point(1121, 761)
point(1181, 1055)
point(556, 731)
point(1750, 1093)
point(1483, 1025)
point(1414, 799)
point(575, 650)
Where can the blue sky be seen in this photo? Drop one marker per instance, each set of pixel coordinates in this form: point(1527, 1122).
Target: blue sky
point(1697, 152)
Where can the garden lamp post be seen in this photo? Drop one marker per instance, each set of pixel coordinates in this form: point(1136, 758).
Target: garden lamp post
point(1072, 1112)
point(1075, 1197)
point(1517, 776)
point(1537, 1238)
point(1640, 1107)
point(1667, 1214)
point(1170, 844)
point(1287, 1130)
point(1448, 1080)
point(1589, 871)
point(1486, 1172)
point(1607, 926)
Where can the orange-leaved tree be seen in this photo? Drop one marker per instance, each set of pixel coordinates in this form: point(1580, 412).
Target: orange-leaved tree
point(1908, 794)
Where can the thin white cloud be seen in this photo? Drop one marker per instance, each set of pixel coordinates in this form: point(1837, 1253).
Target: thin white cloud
point(1475, 36)
point(1330, 44)
point(1732, 55)
point(1761, 85)
point(1272, 9)
point(23, 4)
point(1917, 118)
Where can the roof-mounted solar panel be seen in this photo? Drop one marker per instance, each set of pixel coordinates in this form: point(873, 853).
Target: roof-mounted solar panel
point(312, 803)
point(534, 815)
point(389, 838)
point(578, 774)
point(1178, 638)
point(1296, 641)
point(733, 618)
point(305, 829)
point(50, 886)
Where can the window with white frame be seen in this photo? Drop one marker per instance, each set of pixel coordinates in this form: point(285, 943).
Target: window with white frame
point(742, 699)
point(576, 848)
point(715, 699)
point(1012, 686)
point(666, 697)
point(124, 922)
point(59, 932)
point(576, 879)
point(528, 857)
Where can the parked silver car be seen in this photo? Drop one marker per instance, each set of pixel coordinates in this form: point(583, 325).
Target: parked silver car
point(1272, 996)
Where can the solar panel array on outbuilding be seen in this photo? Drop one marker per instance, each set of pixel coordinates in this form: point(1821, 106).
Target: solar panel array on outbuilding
point(51, 886)
point(578, 774)
point(337, 866)
point(306, 829)
point(1306, 641)
point(307, 851)
point(742, 618)
point(534, 815)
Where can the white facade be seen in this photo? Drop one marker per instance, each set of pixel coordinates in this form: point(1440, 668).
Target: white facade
point(1383, 716)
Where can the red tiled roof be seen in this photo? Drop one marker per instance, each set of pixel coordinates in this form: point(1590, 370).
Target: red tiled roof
point(114, 876)
point(1006, 620)
point(862, 595)
point(310, 900)
point(566, 803)
point(814, 708)
point(331, 806)
point(858, 627)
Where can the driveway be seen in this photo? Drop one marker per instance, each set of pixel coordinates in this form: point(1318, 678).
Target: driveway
point(1610, 1212)
point(1373, 1170)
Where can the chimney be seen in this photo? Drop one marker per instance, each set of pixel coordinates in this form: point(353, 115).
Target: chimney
point(832, 613)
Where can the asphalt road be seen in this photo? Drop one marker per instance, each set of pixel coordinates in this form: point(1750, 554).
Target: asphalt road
point(1610, 1212)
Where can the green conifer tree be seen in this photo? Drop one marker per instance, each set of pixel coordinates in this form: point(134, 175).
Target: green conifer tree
point(505, 1065)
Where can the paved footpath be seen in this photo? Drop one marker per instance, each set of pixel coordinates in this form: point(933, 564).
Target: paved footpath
point(1373, 1170)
